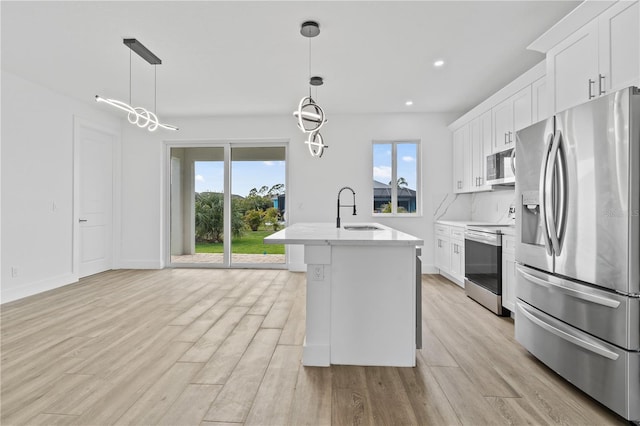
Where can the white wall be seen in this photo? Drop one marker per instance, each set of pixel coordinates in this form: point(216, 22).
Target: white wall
point(312, 183)
point(37, 185)
point(37, 173)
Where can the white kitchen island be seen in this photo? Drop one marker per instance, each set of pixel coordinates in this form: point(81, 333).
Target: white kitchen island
point(361, 293)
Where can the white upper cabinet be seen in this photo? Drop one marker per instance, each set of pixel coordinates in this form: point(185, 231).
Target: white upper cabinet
point(600, 57)
point(480, 131)
point(539, 100)
point(521, 110)
point(461, 160)
point(502, 124)
point(572, 68)
point(509, 116)
point(619, 46)
point(471, 145)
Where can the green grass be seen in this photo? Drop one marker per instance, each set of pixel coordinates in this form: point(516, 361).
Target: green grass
point(249, 243)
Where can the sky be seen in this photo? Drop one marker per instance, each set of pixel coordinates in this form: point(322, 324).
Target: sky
point(245, 175)
point(406, 163)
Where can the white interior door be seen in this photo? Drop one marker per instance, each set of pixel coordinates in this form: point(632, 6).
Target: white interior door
point(95, 180)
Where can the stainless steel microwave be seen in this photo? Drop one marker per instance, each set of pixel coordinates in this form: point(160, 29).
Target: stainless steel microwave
point(501, 167)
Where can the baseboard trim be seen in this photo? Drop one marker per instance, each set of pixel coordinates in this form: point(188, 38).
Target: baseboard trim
point(140, 264)
point(316, 355)
point(30, 289)
point(429, 269)
point(297, 267)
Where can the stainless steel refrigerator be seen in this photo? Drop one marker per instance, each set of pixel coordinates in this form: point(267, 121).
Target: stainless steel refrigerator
point(578, 247)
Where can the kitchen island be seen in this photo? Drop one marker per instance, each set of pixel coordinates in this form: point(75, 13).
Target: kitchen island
point(361, 293)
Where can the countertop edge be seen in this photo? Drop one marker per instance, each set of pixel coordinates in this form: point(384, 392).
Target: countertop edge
point(329, 235)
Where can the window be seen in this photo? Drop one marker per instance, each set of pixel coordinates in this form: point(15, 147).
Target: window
point(396, 177)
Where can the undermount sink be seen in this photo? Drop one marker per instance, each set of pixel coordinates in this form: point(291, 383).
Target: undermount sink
point(361, 228)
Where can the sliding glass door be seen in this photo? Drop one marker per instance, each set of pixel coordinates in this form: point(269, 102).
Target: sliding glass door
point(224, 200)
point(257, 203)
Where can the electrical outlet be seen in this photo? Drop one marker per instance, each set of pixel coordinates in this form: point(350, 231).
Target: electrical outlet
point(14, 271)
point(317, 273)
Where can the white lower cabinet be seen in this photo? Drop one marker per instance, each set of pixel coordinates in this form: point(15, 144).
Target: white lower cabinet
point(508, 273)
point(457, 254)
point(443, 253)
point(449, 252)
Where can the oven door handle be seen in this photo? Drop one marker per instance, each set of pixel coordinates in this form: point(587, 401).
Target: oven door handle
point(481, 237)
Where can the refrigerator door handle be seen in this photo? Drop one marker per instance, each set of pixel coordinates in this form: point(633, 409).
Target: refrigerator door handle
point(561, 208)
point(550, 206)
point(592, 347)
point(544, 189)
point(513, 161)
point(609, 303)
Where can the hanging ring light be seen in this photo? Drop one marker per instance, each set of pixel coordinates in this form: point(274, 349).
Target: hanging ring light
point(139, 116)
point(316, 145)
point(310, 116)
point(311, 113)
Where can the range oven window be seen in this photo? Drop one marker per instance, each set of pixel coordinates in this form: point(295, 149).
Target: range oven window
point(483, 265)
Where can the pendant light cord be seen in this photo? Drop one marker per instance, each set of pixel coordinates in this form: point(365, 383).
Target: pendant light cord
point(309, 76)
point(129, 76)
point(155, 87)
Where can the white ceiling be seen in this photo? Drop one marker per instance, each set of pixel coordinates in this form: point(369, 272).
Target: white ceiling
point(246, 57)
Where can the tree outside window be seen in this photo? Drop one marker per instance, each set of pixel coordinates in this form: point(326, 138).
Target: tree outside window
point(396, 167)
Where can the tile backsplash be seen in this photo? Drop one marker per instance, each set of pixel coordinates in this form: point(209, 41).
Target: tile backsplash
point(493, 206)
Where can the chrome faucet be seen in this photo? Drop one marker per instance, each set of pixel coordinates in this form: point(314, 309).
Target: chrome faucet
point(345, 205)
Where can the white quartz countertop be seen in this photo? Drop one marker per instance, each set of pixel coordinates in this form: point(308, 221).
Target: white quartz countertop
point(327, 233)
point(463, 223)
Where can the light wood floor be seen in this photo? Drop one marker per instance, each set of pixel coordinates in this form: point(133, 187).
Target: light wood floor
point(213, 347)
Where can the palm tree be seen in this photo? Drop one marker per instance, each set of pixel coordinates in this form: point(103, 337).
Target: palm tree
point(401, 183)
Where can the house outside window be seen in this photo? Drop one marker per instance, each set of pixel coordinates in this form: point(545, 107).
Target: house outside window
point(396, 177)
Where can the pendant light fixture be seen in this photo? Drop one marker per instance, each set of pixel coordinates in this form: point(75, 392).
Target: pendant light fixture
point(139, 116)
point(309, 114)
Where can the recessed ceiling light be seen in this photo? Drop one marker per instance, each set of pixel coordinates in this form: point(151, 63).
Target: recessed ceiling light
point(408, 103)
point(438, 63)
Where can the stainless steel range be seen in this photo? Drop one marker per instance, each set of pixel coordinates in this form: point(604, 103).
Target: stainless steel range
point(483, 266)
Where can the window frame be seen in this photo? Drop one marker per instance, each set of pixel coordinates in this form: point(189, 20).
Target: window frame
point(394, 176)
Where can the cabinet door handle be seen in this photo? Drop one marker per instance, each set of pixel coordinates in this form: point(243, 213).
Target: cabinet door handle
point(600, 85)
point(591, 83)
point(505, 137)
point(510, 139)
